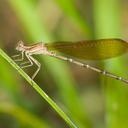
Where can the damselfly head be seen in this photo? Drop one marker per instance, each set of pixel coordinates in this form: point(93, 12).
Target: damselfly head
point(20, 46)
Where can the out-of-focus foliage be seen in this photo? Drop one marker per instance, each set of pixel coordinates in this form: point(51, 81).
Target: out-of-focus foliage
point(89, 101)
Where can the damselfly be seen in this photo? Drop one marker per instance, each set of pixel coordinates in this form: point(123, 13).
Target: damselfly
point(85, 50)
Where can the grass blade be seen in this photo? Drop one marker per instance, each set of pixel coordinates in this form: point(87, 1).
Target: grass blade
point(107, 21)
point(38, 89)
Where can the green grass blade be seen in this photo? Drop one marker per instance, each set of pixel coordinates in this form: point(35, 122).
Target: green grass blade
point(9, 85)
point(25, 118)
point(69, 9)
point(107, 21)
point(38, 89)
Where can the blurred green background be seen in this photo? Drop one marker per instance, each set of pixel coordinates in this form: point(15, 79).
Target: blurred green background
point(90, 100)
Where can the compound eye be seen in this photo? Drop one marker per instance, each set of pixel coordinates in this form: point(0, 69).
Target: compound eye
point(20, 43)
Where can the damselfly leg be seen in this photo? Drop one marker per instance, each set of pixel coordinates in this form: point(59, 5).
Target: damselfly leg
point(18, 57)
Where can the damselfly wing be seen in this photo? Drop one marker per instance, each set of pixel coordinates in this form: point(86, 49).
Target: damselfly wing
point(91, 49)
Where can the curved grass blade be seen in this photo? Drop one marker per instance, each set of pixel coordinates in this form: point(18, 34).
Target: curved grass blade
point(39, 90)
point(24, 117)
point(69, 9)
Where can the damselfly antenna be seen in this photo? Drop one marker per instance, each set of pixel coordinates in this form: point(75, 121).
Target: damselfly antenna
point(87, 50)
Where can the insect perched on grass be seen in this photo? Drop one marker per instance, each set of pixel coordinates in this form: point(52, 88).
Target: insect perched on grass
point(85, 50)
